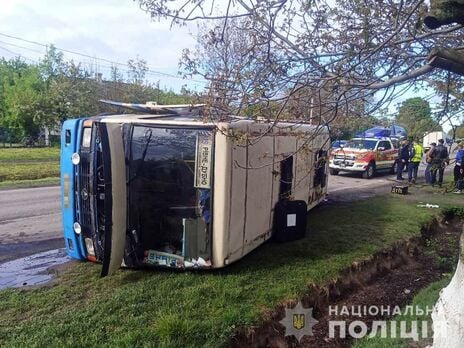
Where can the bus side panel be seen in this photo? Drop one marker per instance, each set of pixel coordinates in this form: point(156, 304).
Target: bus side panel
point(221, 198)
point(70, 135)
point(259, 193)
point(304, 170)
point(237, 195)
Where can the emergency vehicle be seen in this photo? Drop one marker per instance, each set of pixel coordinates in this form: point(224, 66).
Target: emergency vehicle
point(365, 156)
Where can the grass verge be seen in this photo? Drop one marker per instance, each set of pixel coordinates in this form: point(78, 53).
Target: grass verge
point(192, 309)
point(10, 184)
point(25, 167)
point(29, 171)
point(29, 154)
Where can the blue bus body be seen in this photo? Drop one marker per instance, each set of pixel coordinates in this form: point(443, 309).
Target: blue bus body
point(70, 135)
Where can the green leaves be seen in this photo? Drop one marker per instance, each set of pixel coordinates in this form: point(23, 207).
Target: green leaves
point(34, 97)
point(22, 92)
point(416, 116)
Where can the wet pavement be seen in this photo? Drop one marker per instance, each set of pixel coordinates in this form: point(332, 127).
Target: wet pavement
point(32, 269)
point(13, 251)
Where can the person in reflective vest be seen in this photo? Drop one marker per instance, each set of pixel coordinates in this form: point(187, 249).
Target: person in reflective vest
point(415, 157)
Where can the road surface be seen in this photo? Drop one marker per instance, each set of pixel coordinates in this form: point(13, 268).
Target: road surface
point(30, 221)
point(28, 215)
point(32, 215)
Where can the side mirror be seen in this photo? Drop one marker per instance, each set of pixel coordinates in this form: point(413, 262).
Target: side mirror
point(342, 146)
point(380, 148)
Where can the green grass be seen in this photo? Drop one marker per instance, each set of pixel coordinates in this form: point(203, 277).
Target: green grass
point(426, 298)
point(443, 197)
point(29, 171)
point(21, 167)
point(29, 154)
point(29, 183)
point(202, 309)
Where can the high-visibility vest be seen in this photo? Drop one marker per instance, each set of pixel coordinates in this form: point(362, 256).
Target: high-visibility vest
point(418, 152)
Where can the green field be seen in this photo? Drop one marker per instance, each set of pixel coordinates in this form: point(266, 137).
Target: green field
point(203, 309)
point(29, 166)
point(15, 155)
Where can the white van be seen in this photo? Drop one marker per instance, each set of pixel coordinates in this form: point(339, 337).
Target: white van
point(433, 137)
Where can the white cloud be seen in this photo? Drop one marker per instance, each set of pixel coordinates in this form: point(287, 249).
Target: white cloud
point(111, 29)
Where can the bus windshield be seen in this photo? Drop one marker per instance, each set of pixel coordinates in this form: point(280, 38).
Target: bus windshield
point(169, 198)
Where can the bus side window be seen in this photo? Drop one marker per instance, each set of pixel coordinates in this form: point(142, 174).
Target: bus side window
point(286, 177)
point(67, 137)
point(320, 160)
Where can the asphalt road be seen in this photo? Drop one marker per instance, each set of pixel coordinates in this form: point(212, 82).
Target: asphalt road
point(352, 183)
point(31, 215)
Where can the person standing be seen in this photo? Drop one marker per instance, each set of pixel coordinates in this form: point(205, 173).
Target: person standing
point(403, 158)
point(428, 160)
point(459, 170)
point(440, 157)
point(416, 152)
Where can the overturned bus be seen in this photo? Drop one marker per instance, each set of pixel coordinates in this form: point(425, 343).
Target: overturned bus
point(174, 190)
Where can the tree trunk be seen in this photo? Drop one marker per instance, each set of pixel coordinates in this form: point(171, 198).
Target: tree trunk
point(444, 12)
point(447, 59)
point(448, 314)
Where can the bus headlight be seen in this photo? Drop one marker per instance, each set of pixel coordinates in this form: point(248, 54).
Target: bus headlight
point(77, 228)
point(89, 246)
point(75, 158)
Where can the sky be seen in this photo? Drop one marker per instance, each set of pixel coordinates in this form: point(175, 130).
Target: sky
point(112, 30)
point(115, 30)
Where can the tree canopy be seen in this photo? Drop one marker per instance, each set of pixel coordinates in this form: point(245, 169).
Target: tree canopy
point(415, 115)
point(38, 96)
point(338, 52)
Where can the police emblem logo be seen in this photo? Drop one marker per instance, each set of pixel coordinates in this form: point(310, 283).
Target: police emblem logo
point(298, 321)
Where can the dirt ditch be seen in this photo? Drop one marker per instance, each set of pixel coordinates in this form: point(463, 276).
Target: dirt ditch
point(389, 278)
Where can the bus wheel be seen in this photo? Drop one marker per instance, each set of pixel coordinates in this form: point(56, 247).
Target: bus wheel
point(369, 172)
point(333, 171)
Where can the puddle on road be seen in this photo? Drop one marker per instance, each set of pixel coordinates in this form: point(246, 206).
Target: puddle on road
point(32, 269)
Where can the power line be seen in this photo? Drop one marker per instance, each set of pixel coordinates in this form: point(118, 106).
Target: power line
point(97, 58)
point(23, 47)
point(18, 55)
